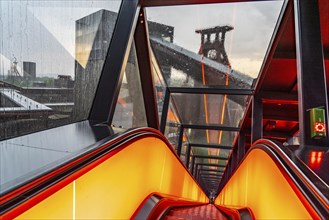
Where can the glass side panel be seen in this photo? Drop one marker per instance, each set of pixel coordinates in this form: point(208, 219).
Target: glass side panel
point(159, 84)
point(200, 136)
point(202, 109)
point(130, 108)
point(222, 152)
point(51, 57)
point(212, 44)
point(172, 126)
point(183, 152)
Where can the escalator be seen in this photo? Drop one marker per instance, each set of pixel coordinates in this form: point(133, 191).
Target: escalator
point(270, 183)
point(137, 175)
point(206, 212)
point(109, 181)
point(274, 183)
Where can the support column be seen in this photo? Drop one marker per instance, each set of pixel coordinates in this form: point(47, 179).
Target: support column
point(145, 70)
point(234, 159)
point(180, 140)
point(256, 119)
point(165, 111)
point(241, 146)
point(192, 165)
point(312, 91)
point(187, 157)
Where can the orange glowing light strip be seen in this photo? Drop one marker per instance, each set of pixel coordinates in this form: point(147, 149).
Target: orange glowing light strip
point(225, 96)
point(223, 110)
point(205, 98)
point(204, 95)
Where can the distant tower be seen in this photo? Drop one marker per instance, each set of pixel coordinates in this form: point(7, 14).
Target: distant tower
point(13, 68)
point(29, 70)
point(13, 73)
point(212, 43)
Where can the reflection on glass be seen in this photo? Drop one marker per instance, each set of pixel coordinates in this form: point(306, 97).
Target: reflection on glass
point(51, 57)
point(198, 150)
point(226, 110)
point(183, 152)
point(212, 44)
point(172, 126)
point(199, 136)
point(159, 84)
point(130, 110)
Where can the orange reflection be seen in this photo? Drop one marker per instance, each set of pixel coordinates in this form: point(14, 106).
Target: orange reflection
point(315, 159)
point(204, 95)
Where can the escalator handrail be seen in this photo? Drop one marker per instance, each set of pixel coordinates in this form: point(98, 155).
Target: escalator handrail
point(307, 190)
point(279, 150)
point(112, 145)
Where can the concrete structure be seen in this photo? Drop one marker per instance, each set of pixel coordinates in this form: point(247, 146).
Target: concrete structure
point(93, 36)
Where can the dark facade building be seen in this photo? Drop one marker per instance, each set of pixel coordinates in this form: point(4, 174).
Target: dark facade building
point(93, 36)
point(29, 70)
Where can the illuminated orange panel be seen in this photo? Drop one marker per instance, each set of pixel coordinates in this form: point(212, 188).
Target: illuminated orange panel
point(260, 185)
point(116, 187)
point(315, 159)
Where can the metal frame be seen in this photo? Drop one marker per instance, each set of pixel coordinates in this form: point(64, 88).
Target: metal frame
point(204, 157)
point(206, 90)
point(215, 146)
point(210, 157)
point(188, 155)
point(209, 164)
point(312, 88)
point(103, 106)
point(210, 170)
point(180, 141)
point(145, 70)
point(197, 175)
point(153, 3)
point(257, 119)
point(215, 175)
point(211, 127)
point(165, 109)
point(241, 147)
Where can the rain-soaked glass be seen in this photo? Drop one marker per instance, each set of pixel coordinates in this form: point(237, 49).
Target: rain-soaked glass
point(159, 85)
point(172, 125)
point(204, 109)
point(51, 58)
point(208, 136)
point(212, 44)
point(130, 110)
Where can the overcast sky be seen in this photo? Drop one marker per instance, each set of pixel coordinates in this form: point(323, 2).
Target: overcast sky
point(44, 31)
point(246, 45)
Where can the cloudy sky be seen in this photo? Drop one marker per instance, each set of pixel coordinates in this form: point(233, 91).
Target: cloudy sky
point(44, 31)
point(246, 45)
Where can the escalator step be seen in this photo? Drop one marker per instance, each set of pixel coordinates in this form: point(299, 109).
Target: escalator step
point(205, 212)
